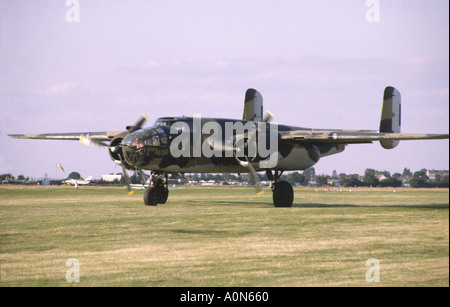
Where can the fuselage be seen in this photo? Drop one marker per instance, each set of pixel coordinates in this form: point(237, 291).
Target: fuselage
point(211, 145)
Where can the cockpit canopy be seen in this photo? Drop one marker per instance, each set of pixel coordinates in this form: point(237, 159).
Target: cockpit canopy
point(146, 137)
point(138, 147)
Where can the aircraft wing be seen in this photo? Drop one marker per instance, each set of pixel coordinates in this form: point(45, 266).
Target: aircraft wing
point(97, 136)
point(352, 136)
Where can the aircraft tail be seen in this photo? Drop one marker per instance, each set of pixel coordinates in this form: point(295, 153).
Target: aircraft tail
point(390, 116)
point(253, 106)
point(89, 178)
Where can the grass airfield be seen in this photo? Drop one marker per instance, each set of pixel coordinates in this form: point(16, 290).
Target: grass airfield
point(223, 236)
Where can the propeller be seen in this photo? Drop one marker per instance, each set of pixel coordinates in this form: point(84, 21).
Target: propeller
point(229, 147)
point(269, 116)
point(127, 179)
point(247, 164)
point(89, 141)
point(138, 124)
point(254, 175)
point(86, 139)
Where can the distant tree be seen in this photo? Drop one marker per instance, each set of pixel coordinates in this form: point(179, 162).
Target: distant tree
point(370, 178)
point(407, 172)
point(22, 177)
point(309, 173)
point(74, 175)
point(296, 177)
point(6, 176)
point(322, 181)
point(442, 182)
point(343, 176)
point(396, 175)
point(420, 179)
point(335, 175)
point(352, 181)
point(386, 174)
point(390, 182)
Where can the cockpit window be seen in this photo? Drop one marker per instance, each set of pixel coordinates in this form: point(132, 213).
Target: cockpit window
point(153, 137)
point(155, 140)
point(163, 122)
point(163, 138)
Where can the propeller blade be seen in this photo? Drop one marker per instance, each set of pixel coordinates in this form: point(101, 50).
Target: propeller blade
point(138, 125)
point(87, 140)
point(142, 179)
point(269, 116)
point(127, 179)
point(254, 175)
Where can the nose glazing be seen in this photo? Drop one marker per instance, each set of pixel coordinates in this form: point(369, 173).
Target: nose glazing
point(133, 148)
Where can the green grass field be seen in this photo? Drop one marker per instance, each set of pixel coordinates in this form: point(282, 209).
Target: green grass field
point(223, 237)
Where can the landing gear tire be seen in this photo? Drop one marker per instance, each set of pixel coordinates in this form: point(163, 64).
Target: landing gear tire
point(283, 194)
point(151, 196)
point(158, 192)
point(163, 194)
point(156, 195)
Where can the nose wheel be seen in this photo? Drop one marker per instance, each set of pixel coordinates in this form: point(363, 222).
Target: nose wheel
point(283, 194)
point(158, 191)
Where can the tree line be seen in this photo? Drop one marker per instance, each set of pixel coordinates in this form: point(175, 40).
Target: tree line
point(371, 178)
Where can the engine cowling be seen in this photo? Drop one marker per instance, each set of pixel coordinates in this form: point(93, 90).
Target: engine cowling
point(115, 150)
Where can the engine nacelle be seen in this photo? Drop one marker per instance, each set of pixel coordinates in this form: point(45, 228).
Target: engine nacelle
point(300, 157)
point(115, 150)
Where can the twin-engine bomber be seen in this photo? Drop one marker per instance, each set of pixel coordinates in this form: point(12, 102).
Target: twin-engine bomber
point(216, 145)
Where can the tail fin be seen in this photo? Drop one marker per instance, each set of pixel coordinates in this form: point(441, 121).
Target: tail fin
point(390, 116)
point(89, 178)
point(253, 106)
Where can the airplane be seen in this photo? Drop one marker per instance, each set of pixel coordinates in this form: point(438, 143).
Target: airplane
point(77, 182)
point(217, 145)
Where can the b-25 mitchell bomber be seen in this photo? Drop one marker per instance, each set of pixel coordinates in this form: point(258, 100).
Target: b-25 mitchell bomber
point(216, 145)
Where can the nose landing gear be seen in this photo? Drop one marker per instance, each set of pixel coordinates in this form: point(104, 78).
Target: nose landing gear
point(158, 191)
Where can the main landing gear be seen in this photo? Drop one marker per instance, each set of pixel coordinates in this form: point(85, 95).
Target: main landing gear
point(158, 190)
point(283, 194)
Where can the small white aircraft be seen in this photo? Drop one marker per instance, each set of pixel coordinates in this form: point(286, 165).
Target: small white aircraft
point(77, 182)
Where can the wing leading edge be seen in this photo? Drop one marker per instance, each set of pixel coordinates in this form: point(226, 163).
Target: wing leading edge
point(75, 136)
point(352, 136)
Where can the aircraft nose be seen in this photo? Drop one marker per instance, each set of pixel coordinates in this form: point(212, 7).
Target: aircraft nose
point(133, 148)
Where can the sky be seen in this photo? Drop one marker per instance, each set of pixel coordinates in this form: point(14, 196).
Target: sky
point(75, 66)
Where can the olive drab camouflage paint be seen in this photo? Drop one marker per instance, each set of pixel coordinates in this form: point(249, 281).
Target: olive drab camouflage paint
point(217, 145)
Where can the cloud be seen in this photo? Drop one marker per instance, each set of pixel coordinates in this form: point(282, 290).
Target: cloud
point(58, 90)
point(291, 68)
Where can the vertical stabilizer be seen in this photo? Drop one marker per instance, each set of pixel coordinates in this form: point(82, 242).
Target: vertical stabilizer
point(390, 116)
point(253, 106)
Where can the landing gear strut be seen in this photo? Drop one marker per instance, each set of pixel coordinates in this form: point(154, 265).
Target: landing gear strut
point(283, 194)
point(158, 190)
